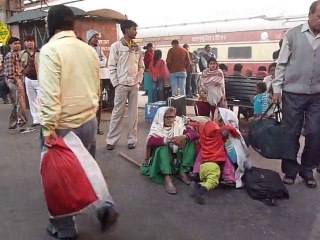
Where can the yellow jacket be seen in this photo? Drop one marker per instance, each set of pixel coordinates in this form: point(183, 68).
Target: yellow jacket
point(69, 82)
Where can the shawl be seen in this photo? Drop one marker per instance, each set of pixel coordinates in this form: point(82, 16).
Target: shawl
point(212, 78)
point(212, 83)
point(159, 130)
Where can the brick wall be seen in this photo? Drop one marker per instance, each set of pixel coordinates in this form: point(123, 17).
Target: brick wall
point(106, 28)
point(15, 5)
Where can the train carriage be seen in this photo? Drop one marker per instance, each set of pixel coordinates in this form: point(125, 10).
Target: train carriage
point(250, 41)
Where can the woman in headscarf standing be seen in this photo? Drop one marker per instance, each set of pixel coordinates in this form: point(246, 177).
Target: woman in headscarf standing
point(170, 149)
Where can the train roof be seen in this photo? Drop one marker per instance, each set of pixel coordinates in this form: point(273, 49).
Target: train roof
point(222, 25)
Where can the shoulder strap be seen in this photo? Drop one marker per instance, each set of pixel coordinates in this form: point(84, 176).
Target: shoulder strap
point(277, 106)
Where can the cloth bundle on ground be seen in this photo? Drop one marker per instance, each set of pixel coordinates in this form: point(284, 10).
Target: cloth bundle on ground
point(71, 178)
point(272, 139)
point(265, 185)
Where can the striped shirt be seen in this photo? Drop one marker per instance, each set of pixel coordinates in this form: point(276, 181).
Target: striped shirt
point(11, 67)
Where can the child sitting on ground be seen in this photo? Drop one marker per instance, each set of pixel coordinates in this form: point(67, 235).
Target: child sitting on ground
point(213, 157)
point(261, 101)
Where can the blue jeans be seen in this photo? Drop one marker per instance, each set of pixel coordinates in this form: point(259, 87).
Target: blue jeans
point(157, 90)
point(178, 80)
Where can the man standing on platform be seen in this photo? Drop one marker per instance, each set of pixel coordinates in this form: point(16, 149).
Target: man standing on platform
point(93, 40)
point(69, 78)
point(29, 60)
point(178, 62)
point(13, 78)
point(126, 72)
point(297, 85)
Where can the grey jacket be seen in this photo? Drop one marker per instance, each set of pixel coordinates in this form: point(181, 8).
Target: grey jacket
point(125, 64)
point(298, 68)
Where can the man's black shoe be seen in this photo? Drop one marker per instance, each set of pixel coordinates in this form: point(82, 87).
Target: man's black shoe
point(107, 216)
point(55, 235)
point(131, 145)
point(110, 147)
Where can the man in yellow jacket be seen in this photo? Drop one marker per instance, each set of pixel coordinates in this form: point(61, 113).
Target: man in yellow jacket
point(69, 93)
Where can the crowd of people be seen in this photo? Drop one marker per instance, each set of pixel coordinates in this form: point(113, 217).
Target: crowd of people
point(200, 76)
point(201, 151)
point(176, 146)
point(287, 80)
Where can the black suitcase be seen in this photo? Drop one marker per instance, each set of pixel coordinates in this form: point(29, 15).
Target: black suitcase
point(179, 102)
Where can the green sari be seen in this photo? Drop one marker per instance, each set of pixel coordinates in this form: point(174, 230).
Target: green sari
point(164, 162)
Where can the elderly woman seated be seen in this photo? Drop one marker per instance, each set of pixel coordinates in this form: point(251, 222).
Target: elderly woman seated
point(170, 149)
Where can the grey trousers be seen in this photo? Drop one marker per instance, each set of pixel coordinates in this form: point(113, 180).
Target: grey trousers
point(65, 226)
point(18, 117)
point(295, 109)
point(122, 93)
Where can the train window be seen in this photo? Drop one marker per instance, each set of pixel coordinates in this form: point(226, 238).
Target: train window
point(213, 50)
point(239, 52)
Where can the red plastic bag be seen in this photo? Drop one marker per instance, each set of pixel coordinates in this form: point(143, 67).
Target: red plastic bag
point(67, 188)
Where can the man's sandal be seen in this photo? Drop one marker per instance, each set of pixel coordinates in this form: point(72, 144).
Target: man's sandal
point(310, 182)
point(288, 180)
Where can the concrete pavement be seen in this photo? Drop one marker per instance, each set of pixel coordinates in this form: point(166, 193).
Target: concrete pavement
point(146, 211)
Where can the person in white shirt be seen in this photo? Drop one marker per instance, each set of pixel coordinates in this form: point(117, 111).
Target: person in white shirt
point(93, 40)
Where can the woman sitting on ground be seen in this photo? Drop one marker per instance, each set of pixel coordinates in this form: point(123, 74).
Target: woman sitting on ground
point(170, 149)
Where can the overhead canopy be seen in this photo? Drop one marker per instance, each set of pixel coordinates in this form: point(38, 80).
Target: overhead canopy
point(78, 12)
point(27, 16)
point(37, 14)
point(108, 13)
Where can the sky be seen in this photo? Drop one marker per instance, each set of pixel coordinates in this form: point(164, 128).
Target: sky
point(166, 12)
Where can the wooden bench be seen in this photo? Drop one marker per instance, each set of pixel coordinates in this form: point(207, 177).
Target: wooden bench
point(240, 92)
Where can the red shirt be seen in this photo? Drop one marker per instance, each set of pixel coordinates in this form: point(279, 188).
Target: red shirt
point(160, 70)
point(148, 56)
point(212, 143)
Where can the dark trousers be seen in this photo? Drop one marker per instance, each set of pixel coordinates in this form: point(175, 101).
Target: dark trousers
point(157, 90)
point(107, 94)
point(295, 109)
point(191, 84)
point(98, 113)
point(4, 90)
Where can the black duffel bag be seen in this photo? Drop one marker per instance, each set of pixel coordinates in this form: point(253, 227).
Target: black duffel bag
point(264, 185)
point(271, 138)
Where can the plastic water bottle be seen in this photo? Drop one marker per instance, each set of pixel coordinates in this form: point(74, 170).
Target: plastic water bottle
point(178, 92)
